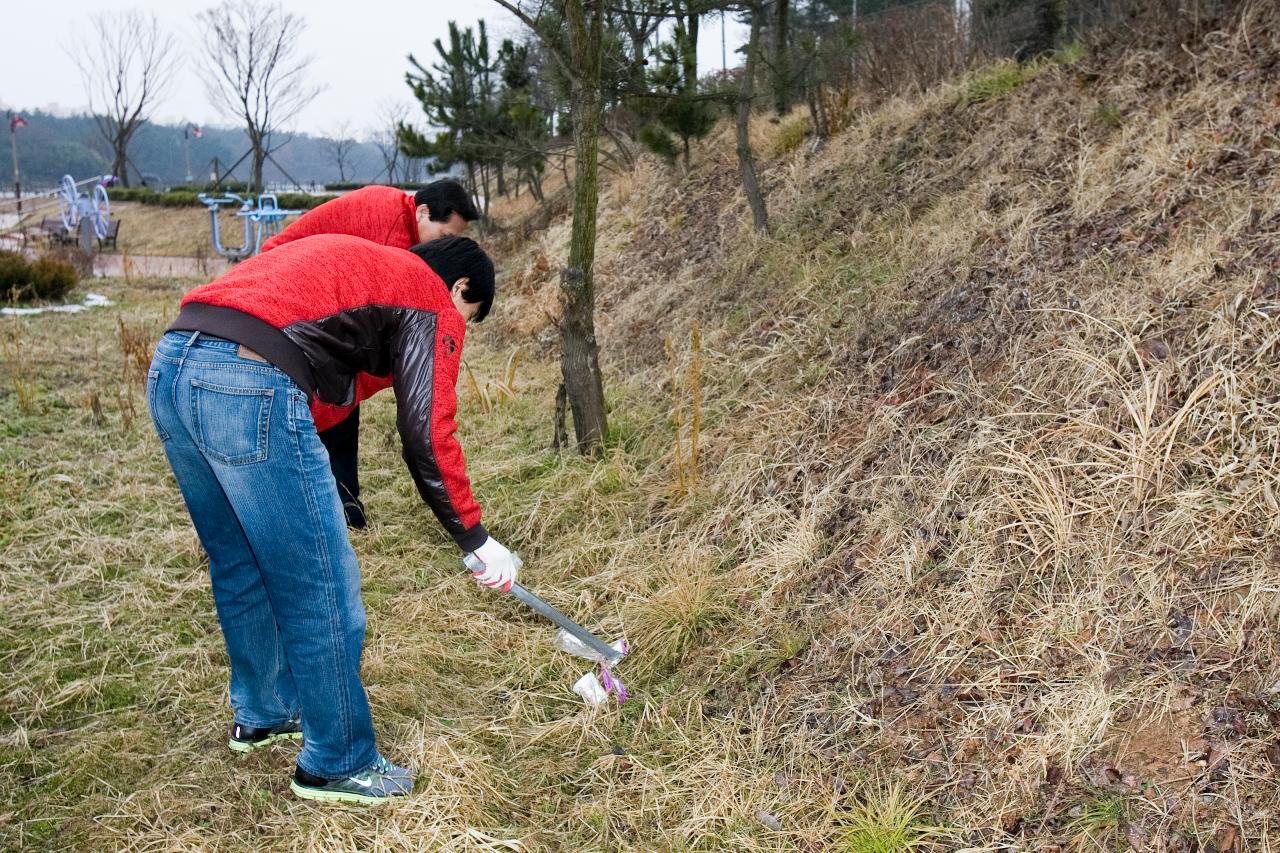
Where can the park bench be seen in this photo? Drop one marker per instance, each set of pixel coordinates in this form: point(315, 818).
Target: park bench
point(53, 228)
point(113, 231)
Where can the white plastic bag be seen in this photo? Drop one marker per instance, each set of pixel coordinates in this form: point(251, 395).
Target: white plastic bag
point(591, 690)
point(571, 645)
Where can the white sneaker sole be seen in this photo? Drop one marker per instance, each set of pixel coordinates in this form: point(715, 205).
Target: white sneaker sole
point(244, 746)
point(306, 793)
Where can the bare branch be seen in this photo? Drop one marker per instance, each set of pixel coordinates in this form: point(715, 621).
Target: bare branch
point(339, 144)
point(126, 63)
point(553, 47)
point(392, 113)
point(253, 70)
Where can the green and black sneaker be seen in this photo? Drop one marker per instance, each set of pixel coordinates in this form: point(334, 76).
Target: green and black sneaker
point(246, 739)
point(380, 782)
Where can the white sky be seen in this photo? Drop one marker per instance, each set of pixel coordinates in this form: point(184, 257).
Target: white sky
point(359, 49)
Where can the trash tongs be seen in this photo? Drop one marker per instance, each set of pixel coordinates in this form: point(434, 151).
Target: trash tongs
point(588, 645)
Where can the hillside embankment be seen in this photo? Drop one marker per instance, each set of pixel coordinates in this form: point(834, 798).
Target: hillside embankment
point(988, 458)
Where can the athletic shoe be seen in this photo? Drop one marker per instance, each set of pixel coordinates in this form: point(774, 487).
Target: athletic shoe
point(247, 739)
point(380, 782)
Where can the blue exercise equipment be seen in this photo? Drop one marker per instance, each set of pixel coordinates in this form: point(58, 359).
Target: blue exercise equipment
point(263, 218)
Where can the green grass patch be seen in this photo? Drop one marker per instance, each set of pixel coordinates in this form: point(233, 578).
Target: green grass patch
point(996, 81)
point(888, 821)
point(791, 135)
point(1109, 115)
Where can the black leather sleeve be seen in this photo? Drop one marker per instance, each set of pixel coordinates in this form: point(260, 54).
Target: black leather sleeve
point(414, 363)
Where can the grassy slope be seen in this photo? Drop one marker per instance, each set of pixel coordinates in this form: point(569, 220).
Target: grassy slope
point(984, 508)
point(993, 423)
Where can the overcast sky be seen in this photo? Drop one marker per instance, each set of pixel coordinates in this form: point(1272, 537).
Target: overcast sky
point(359, 49)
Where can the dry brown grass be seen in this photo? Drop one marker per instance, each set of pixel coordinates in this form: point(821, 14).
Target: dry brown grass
point(985, 524)
point(151, 230)
point(183, 231)
point(1015, 365)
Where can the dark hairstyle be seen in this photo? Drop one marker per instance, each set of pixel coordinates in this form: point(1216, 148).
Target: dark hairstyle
point(453, 258)
point(445, 198)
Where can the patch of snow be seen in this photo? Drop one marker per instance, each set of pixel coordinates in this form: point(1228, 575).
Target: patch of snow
point(93, 300)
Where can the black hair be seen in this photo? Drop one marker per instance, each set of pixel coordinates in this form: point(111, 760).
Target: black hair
point(453, 258)
point(445, 198)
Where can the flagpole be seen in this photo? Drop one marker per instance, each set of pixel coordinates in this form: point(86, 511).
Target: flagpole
point(13, 144)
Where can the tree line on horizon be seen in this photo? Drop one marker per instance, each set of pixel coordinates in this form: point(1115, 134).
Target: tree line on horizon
point(52, 145)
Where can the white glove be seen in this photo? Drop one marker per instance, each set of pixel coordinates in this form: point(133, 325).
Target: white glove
point(498, 566)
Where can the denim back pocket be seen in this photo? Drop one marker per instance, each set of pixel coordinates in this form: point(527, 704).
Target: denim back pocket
point(231, 424)
point(153, 377)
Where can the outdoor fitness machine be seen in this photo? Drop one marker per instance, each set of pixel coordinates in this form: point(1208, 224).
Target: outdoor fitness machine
point(85, 214)
point(261, 221)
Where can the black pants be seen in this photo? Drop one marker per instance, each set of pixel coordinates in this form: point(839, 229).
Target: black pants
point(343, 443)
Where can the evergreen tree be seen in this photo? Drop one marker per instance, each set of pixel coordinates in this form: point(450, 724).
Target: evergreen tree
point(674, 106)
point(458, 95)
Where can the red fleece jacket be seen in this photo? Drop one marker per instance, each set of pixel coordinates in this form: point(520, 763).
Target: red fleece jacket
point(359, 310)
point(384, 215)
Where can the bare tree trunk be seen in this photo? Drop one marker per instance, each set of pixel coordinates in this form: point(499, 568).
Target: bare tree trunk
point(580, 363)
point(259, 159)
point(120, 163)
point(746, 160)
point(560, 438)
point(691, 48)
point(473, 186)
point(781, 58)
point(813, 99)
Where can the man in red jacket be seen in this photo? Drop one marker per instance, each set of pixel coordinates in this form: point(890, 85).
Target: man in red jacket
point(388, 216)
point(391, 217)
point(229, 391)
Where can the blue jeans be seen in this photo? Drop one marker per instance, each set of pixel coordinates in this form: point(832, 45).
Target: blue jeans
point(239, 436)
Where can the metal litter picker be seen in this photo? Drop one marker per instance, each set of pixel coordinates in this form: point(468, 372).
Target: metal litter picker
point(573, 639)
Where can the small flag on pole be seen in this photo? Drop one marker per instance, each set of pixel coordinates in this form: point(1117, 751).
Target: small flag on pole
point(16, 122)
point(194, 131)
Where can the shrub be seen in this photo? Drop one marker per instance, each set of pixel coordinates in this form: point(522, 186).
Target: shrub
point(352, 185)
point(72, 255)
point(13, 268)
point(1109, 114)
point(46, 278)
point(656, 138)
point(302, 201)
point(1071, 53)
point(142, 195)
point(191, 198)
point(791, 135)
point(996, 82)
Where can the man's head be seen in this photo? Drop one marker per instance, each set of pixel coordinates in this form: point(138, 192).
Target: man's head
point(444, 208)
point(465, 269)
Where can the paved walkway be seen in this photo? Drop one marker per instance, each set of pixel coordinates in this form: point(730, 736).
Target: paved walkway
point(112, 265)
point(158, 266)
